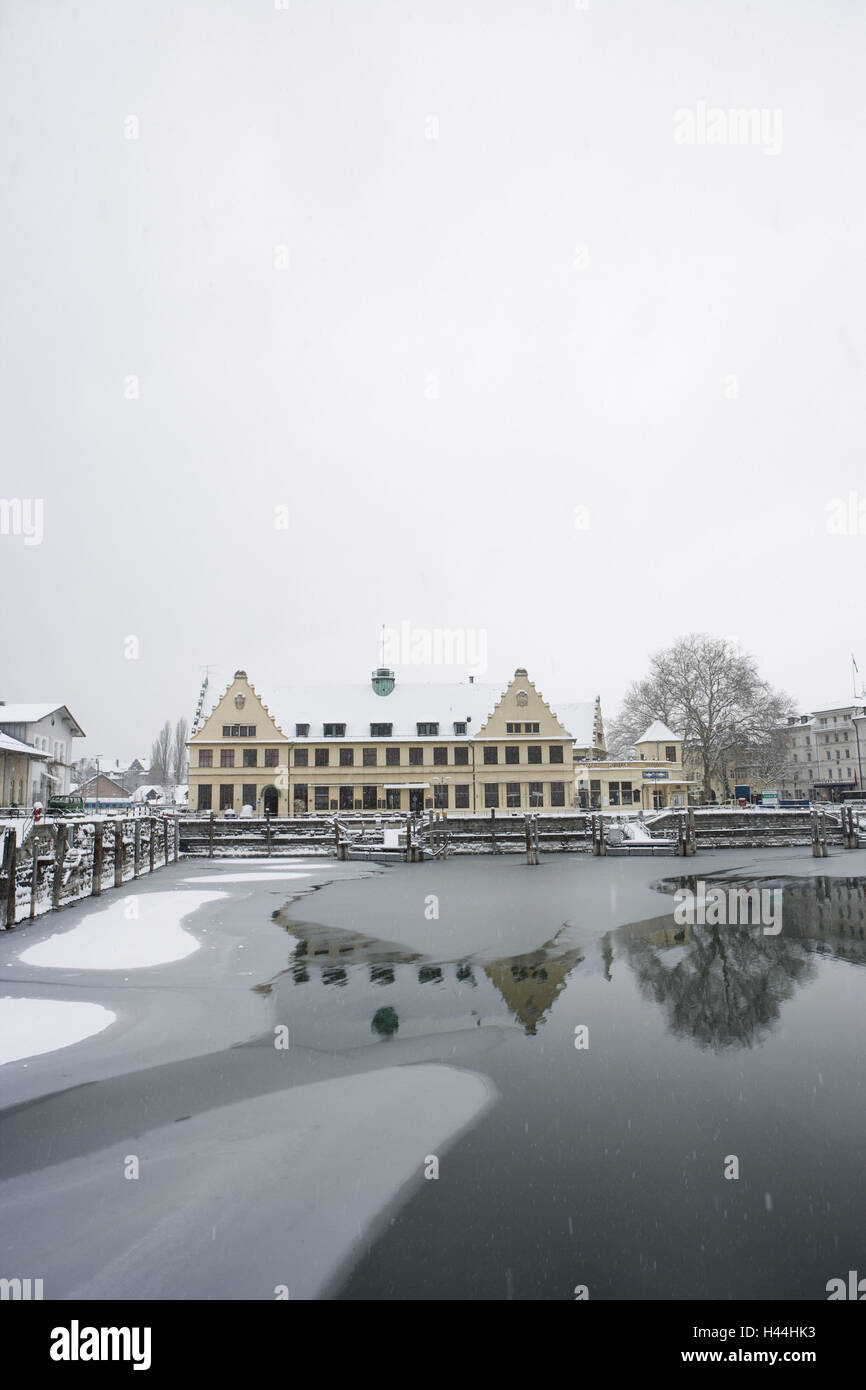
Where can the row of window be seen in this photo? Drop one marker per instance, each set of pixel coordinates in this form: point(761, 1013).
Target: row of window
point(521, 728)
point(346, 798)
point(250, 757)
point(370, 756)
point(239, 730)
point(422, 730)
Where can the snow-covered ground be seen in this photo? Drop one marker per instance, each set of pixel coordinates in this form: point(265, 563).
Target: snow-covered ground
point(127, 934)
point(268, 1194)
point(270, 876)
point(29, 1027)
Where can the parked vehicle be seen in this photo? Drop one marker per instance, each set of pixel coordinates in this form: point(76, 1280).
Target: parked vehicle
point(66, 805)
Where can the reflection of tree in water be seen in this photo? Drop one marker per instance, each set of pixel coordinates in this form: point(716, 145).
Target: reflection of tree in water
point(727, 989)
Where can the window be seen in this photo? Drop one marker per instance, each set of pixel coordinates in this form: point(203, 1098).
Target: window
point(251, 757)
point(369, 759)
point(512, 754)
point(440, 757)
point(300, 796)
point(491, 794)
point(613, 793)
point(491, 755)
point(625, 788)
point(460, 728)
point(347, 757)
point(323, 757)
point(227, 796)
point(347, 798)
point(227, 757)
point(248, 794)
point(530, 728)
point(227, 730)
point(302, 757)
point(461, 757)
point(440, 797)
point(392, 799)
point(205, 757)
point(512, 728)
point(302, 731)
point(427, 730)
point(272, 757)
point(334, 730)
point(204, 798)
point(555, 753)
point(512, 794)
point(369, 798)
point(461, 797)
point(320, 798)
point(416, 757)
point(392, 758)
point(536, 794)
point(533, 753)
point(381, 730)
point(557, 794)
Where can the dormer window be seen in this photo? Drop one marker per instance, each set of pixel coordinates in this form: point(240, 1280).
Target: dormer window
point(334, 730)
point(427, 730)
point(302, 731)
point(460, 728)
point(381, 730)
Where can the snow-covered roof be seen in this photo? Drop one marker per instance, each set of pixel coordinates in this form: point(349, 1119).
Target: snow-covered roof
point(657, 733)
point(12, 745)
point(358, 706)
point(845, 706)
point(408, 705)
point(33, 713)
point(578, 718)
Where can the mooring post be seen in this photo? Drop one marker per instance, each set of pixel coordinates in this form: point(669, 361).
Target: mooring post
point(11, 885)
point(152, 823)
point(176, 836)
point(165, 844)
point(268, 833)
point(59, 857)
point(209, 838)
point(136, 852)
point(98, 853)
point(691, 833)
point(118, 853)
point(34, 875)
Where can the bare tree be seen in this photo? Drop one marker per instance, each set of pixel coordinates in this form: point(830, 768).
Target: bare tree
point(710, 693)
point(161, 756)
point(179, 754)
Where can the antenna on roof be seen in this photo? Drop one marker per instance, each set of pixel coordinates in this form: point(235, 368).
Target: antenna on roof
point(199, 709)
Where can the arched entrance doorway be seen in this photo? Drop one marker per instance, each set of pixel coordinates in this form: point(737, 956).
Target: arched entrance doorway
point(270, 800)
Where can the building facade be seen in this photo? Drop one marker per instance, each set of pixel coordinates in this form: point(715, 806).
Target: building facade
point(50, 729)
point(389, 746)
point(825, 754)
point(653, 780)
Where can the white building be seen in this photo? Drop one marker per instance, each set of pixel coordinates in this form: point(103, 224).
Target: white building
point(50, 729)
point(826, 756)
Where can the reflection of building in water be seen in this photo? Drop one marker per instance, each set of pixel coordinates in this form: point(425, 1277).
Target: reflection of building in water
point(528, 985)
point(531, 984)
point(830, 911)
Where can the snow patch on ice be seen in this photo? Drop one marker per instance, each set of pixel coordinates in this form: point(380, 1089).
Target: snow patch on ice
point(110, 940)
point(29, 1027)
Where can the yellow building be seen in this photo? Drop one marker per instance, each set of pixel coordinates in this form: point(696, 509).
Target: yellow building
point(389, 746)
point(654, 779)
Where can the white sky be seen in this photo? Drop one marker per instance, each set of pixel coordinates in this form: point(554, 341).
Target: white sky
point(559, 386)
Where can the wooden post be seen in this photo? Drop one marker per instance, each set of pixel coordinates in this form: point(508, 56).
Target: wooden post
point(165, 825)
point(118, 853)
point(136, 860)
point(11, 856)
point(98, 851)
point(34, 875)
point(210, 838)
point(528, 834)
point(152, 823)
point(268, 833)
point(59, 857)
point(691, 835)
point(176, 836)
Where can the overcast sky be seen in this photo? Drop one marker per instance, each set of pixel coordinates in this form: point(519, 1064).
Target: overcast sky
point(431, 276)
